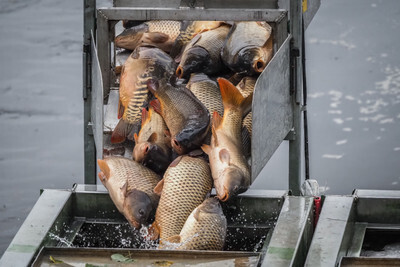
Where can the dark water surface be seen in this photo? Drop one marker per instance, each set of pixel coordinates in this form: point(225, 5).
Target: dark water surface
point(353, 68)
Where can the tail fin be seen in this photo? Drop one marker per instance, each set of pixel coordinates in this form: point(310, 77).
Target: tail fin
point(232, 98)
point(154, 231)
point(104, 167)
point(121, 131)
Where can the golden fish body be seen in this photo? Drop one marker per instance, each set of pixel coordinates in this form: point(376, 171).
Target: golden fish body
point(188, 30)
point(143, 64)
point(229, 168)
point(207, 91)
point(186, 183)
point(248, 48)
point(246, 87)
point(205, 228)
point(186, 117)
point(130, 186)
point(202, 54)
point(160, 33)
point(151, 145)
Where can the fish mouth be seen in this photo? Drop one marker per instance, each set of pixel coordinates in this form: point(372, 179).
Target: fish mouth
point(179, 72)
point(259, 65)
point(134, 223)
point(224, 197)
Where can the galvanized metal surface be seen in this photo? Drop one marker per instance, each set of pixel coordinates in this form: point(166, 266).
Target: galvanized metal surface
point(33, 231)
point(197, 3)
point(296, 89)
point(292, 233)
point(101, 257)
point(378, 206)
point(310, 8)
point(97, 102)
point(329, 243)
point(89, 25)
point(272, 109)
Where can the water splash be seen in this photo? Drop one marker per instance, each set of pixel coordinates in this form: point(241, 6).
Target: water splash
point(61, 240)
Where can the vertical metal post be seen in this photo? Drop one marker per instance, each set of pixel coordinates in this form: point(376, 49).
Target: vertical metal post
point(296, 68)
point(89, 25)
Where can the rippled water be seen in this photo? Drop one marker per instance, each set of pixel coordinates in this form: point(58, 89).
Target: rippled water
point(354, 101)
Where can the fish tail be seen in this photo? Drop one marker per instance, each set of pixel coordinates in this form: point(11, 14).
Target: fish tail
point(233, 98)
point(121, 131)
point(154, 231)
point(104, 167)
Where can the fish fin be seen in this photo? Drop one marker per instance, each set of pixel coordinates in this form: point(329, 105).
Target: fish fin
point(214, 137)
point(195, 39)
point(152, 138)
point(196, 214)
point(120, 132)
point(153, 85)
point(121, 110)
point(155, 103)
point(102, 177)
point(195, 153)
point(224, 156)
point(216, 120)
point(174, 239)
point(232, 97)
point(105, 169)
point(175, 162)
point(145, 115)
point(157, 37)
point(206, 149)
point(124, 189)
point(154, 231)
point(158, 189)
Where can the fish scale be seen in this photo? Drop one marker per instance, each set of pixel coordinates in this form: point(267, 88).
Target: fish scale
point(169, 27)
point(143, 64)
point(213, 40)
point(185, 187)
point(125, 170)
point(204, 230)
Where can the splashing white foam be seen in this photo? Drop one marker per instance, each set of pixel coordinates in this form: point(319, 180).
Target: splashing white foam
point(341, 142)
point(338, 120)
point(346, 129)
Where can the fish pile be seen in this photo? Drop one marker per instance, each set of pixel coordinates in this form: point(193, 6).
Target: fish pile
point(186, 93)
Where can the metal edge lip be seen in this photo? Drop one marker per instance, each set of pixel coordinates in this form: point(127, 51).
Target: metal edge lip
point(370, 193)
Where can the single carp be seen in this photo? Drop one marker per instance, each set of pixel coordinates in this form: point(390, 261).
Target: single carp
point(202, 54)
point(246, 87)
point(190, 29)
point(186, 117)
point(229, 168)
point(160, 33)
point(185, 185)
point(152, 145)
point(207, 91)
point(248, 48)
point(146, 62)
point(130, 186)
point(205, 228)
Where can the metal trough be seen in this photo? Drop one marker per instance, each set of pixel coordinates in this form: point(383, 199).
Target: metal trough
point(352, 229)
point(270, 227)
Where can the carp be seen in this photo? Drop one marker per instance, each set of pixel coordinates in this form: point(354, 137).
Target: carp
point(185, 185)
point(146, 62)
point(190, 29)
point(130, 186)
point(207, 91)
point(229, 168)
point(186, 117)
point(246, 86)
point(248, 48)
point(151, 145)
point(202, 54)
point(205, 229)
point(160, 33)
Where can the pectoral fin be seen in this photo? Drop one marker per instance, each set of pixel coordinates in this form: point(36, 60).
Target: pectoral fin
point(158, 189)
point(174, 239)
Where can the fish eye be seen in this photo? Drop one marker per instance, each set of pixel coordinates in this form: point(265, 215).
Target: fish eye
point(141, 212)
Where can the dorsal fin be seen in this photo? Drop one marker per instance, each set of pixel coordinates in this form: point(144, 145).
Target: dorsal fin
point(104, 167)
point(145, 116)
point(232, 98)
